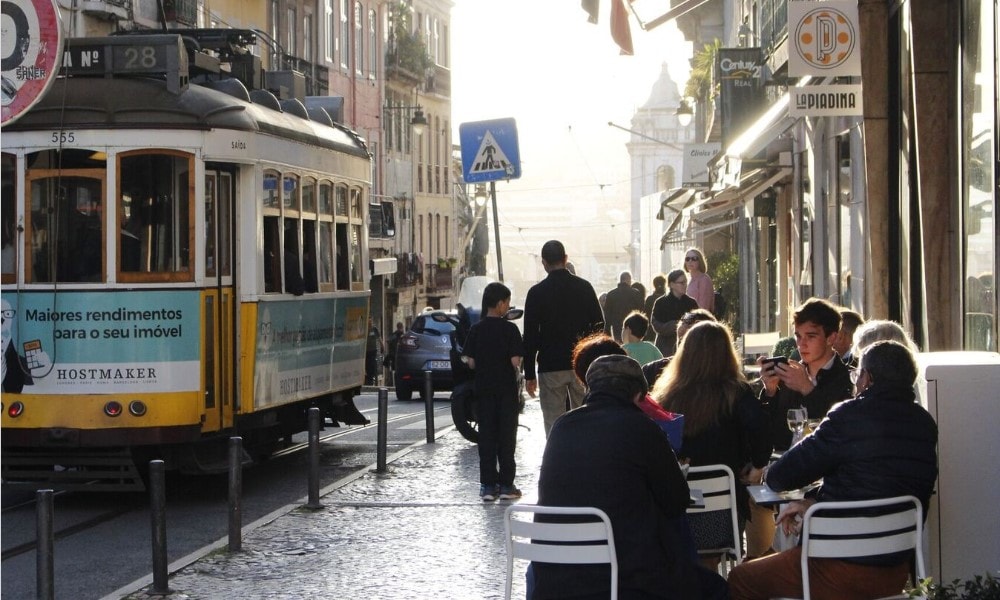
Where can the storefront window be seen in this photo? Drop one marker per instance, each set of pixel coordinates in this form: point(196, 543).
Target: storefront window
point(979, 203)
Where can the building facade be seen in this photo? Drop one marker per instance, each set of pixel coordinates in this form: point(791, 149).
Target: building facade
point(890, 212)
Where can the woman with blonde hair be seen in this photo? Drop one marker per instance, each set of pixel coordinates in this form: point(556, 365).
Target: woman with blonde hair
point(700, 286)
point(723, 421)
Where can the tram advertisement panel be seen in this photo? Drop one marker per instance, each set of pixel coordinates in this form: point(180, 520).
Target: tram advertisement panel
point(308, 347)
point(101, 342)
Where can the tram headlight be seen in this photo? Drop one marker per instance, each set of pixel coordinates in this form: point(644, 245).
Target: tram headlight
point(113, 408)
point(137, 408)
point(15, 410)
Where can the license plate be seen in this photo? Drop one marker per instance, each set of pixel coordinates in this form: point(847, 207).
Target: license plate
point(439, 365)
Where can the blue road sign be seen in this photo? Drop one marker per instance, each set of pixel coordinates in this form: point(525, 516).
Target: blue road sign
point(489, 150)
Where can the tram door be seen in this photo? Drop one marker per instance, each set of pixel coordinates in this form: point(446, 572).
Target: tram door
point(219, 342)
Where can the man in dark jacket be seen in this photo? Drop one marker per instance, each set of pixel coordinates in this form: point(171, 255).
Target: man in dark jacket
point(558, 311)
point(816, 382)
point(619, 303)
point(879, 445)
point(608, 454)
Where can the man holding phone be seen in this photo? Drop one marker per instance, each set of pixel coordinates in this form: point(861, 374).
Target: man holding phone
point(817, 381)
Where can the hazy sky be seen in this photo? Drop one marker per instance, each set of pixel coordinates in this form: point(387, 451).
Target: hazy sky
point(562, 79)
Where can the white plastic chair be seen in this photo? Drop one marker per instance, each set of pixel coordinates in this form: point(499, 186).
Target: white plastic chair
point(833, 530)
point(547, 542)
point(720, 495)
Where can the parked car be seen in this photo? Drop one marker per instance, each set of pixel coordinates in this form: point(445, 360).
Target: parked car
point(425, 346)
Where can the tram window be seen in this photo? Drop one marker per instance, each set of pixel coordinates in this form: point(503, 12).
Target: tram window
point(326, 255)
point(308, 195)
point(270, 197)
point(66, 226)
point(290, 192)
point(326, 245)
point(272, 255)
point(343, 264)
point(356, 272)
point(155, 216)
point(210, 224)
point(293, 269)
point(225, 224)
point(341, 201)
point(8, 215)
point(356, 212)
point(309, 256)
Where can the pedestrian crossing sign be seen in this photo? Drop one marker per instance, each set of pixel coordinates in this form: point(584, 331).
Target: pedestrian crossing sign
point(489, 150)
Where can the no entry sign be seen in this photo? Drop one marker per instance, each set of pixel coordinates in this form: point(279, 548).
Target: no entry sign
point(31, 42)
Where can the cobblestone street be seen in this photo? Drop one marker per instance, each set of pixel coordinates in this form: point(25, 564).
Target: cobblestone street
point(419, 531)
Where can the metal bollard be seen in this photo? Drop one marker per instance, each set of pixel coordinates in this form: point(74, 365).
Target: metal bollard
point(44, 573)
point(235, 494)
point(158, 516)
point(314, 422)
point(429, 405)
point(383, 428)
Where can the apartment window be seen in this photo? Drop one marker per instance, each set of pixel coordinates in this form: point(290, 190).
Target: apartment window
point(372, 43)
point(291, 43)
point(329, 31)
point(307, 37)
point(345, 34)
point(359, 39)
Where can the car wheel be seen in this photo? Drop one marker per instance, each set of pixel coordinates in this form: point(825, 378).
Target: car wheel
point(403, 391)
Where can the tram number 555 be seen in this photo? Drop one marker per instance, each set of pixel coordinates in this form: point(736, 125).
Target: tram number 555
point(63, 137)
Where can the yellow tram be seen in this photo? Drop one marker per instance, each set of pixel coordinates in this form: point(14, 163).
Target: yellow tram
point(184, 260)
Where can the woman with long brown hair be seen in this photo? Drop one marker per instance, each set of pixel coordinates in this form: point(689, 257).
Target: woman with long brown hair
point(723, 421)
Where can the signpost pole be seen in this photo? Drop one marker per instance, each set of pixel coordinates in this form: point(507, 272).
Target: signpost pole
point(496, 230)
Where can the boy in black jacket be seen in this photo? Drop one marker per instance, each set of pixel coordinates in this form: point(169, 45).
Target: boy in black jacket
point(493, 351)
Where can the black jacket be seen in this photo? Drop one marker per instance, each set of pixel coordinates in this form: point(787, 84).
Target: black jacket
point(558, 311)
point(878, 445)
point(610, 455)
point(620, 302)
point(832, 386)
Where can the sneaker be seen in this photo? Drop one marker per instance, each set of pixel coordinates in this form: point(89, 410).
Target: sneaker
point(488, 493)
point(509, 492)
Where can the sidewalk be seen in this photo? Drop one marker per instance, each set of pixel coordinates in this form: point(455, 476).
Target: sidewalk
point(418, 531)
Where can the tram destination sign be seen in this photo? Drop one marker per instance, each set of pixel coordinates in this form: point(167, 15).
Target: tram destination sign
point(129, 55)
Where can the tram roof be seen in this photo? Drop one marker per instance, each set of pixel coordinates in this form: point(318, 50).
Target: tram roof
point(145, 103)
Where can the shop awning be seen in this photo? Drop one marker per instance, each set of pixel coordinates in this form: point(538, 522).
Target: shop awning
point(726, 166)
point(675, 199)
point(672, 230)
point(750, 186)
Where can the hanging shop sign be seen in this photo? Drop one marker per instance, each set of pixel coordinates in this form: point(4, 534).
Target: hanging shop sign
point(740, 73)
point(824, 38)
point(825, 101)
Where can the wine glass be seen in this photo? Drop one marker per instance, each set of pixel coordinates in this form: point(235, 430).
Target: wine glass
point(797, 418)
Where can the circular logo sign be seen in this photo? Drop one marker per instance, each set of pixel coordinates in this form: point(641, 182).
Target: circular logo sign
point(825, 38)
point(31, 41)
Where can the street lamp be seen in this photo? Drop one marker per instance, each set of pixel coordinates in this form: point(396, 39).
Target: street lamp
point(480, 195)
point(418, 122)
point(684, 113)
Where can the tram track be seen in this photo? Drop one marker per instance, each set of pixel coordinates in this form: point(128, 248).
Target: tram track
point(139, 502)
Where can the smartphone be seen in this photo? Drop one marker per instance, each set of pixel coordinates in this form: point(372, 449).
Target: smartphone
point(774, 360)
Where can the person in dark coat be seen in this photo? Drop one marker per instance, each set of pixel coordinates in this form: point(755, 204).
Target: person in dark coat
point(668, 310)
point(558, 311)
point(881, 444)
point(659, 288)
point(817, 381)
point(609, 455)
point(620, 302)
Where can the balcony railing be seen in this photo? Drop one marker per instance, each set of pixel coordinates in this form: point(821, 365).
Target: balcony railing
point(441, 278)
point(773, 24)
